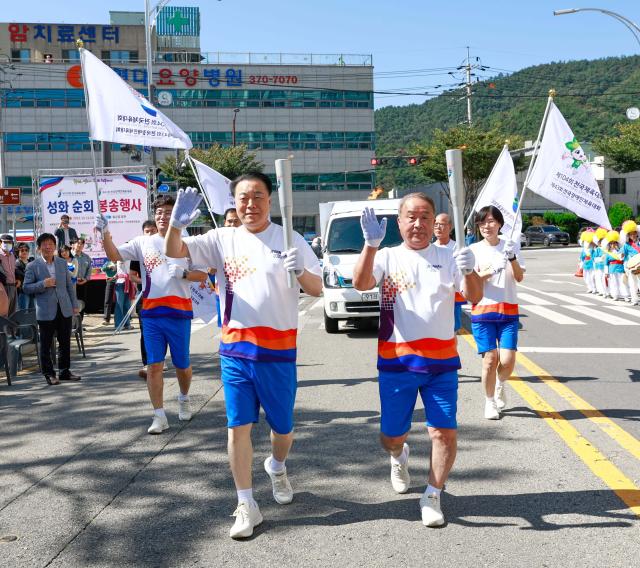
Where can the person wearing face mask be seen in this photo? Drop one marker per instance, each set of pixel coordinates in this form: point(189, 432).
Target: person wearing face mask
point(24, 301)
point(8, 261)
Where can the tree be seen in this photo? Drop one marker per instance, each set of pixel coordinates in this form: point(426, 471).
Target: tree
point(622, 152)
point(480, 150)
point(618, 213)
point(229, 161)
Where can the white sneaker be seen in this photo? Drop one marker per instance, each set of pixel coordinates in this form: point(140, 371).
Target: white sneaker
point(184, 410)
point(159, 425)
point(500, 395)
point(400, 478)
point(431, 512)
point(491, 410)
point(282, 490)
point(247, 518)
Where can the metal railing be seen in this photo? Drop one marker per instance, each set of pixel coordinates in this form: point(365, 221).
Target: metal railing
point(232, 58)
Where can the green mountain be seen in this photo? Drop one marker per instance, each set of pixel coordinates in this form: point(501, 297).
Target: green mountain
point(592, 95)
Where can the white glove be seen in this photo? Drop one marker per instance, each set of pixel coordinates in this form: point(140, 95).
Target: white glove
point(101, 224)
point(509, 250)
point(293, 261)
point(176, 271)
point(185, 211)
point(372, 230)
point(465, 260)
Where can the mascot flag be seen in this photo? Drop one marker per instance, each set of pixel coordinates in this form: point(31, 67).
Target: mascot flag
point(562, 173)
point(501, 191)
point(119, 113)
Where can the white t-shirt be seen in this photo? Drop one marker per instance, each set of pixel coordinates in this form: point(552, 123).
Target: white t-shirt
point(163, 295)
point(260, 311)
point(417, 290)
point(122, 267)
point(450, 245)
point(500, 300)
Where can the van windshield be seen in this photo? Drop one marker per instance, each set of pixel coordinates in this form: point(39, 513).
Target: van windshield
point(345, 235)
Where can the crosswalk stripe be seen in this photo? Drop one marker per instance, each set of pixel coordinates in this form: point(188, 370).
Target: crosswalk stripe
point(555, 317)
point(626, 310)
point(569, 299)
point(601, 315)
point(534, 299)
point(319, 304)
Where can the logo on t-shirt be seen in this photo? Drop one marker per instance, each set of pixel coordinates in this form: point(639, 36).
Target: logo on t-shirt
point(277, 254)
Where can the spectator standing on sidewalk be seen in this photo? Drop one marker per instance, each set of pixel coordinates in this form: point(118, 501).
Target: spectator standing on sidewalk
point(65, 235)
point(8, 261)
point(49, 279)
point(84, 268)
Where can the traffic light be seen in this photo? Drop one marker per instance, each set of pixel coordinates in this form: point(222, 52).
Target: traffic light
point(412, 161)
point(377, 192)
point(376, 162)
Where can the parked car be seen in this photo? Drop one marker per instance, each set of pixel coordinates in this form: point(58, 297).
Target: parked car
point(546, 235)
point(523, 240)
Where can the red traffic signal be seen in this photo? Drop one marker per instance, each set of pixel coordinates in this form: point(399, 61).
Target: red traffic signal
point(376, 161)
point(412, 161)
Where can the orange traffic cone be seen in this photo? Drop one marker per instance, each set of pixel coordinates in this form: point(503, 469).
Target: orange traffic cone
point(579, 273)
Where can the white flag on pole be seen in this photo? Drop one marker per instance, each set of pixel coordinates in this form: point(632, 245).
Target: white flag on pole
point(501, 191)
point(562, 173)
point(119, 113)
point(216, 186)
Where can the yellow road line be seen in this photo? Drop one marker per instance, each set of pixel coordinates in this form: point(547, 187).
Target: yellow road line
point(608, 426)
point(619, 483)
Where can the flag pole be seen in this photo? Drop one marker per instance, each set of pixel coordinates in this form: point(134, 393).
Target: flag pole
point(189, 159)
point(552, 94)
point(482, 191)
point(80, 46)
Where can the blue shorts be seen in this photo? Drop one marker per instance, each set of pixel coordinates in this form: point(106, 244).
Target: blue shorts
point(399, 392)
point(490, 335)
point(248, 385)
point(174, 332)
point(457, 317)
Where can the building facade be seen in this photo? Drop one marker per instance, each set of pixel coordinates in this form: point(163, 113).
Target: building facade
point(316, 108)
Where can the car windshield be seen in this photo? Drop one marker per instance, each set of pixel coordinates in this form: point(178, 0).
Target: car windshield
point(550, 229)
point(345, 235)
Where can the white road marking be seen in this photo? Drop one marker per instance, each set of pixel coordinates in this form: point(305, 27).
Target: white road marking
point(534, 300)
point(554, 316)
point(569, 299)
point(563, 282)
point(303, 312)
point(321, 326)
point(626, 310)
point(319, 304)
point(601, 316)
point(583, 350)
point(598, 298)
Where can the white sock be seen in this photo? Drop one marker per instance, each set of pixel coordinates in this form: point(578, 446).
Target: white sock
point(159, 412)
point(245, 496)
point(490, 398)
point(431, 490)
point(402, 458)
point(275, 466)
point(183, 397)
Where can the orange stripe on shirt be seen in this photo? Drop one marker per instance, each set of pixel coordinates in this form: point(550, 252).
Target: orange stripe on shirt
point(431, 348)
point(499, 308)
point(169, 301)
point(262, 336)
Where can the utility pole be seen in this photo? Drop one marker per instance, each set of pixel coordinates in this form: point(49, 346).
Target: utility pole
point(468, 86)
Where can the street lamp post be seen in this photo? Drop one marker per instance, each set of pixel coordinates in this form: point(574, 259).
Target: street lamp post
point(233, 126)
point(629, 24)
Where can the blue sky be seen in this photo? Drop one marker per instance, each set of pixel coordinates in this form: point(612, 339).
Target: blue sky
point(408, 39)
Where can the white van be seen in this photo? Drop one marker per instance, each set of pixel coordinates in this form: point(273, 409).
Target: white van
point(342, 242)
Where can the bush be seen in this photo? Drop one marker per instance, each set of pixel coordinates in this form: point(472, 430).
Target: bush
point(618, 213)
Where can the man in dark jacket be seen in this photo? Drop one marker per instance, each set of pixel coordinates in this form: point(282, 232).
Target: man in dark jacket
point(65, 235)
point(49, 280)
